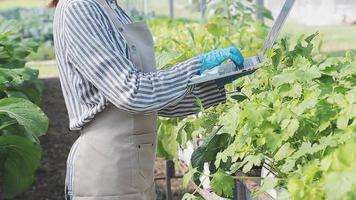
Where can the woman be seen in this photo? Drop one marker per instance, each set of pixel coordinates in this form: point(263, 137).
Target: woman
point(114, 94)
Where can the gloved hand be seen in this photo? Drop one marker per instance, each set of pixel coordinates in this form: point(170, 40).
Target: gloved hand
point(218, 56)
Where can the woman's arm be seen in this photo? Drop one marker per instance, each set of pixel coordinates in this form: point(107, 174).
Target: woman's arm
point(208, 93)
point(94, 54)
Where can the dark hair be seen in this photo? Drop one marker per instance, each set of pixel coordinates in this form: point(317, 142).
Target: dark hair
point(53, 3)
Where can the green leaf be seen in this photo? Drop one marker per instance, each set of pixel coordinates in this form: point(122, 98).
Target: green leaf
point(215, 29)
point(238, 97)
point(189, 176)
point(22, 159)
point(267, 13)
point(296, 188)
point(285, 151)
point(222, 183)
point(289, 127)
point(342, 122)
point(284, 78)
point(167, 145)
point(207, 151)
point(199, 103)
point(252, 160)
point(27, 114)
point(268, 184)
point(295, 91)
point(230, 120)
point(343, 182)
point(276, 58)
point(198, 155)
point(311, 37)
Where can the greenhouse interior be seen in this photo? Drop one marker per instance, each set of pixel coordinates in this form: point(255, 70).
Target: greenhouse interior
point(178, 99)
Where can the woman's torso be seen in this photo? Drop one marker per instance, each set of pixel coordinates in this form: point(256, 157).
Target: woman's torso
point(83, 100)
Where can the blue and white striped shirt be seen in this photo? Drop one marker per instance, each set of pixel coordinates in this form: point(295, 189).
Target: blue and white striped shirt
point(95, 69)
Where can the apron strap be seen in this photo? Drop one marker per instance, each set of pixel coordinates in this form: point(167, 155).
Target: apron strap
point(112, 15)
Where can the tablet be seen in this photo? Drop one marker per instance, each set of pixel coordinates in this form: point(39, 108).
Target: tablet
point(227, 70)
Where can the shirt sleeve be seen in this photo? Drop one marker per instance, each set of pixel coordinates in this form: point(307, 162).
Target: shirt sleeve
point(92, 52)
point(208, 93)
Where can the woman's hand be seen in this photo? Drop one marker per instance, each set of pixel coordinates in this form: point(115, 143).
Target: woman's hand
point(218, 56)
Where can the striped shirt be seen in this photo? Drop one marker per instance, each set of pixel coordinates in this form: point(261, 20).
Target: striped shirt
point(95, 69)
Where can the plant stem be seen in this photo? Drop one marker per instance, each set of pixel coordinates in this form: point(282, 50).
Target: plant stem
point(198, 187)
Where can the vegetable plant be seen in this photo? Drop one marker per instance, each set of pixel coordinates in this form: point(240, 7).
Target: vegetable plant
point(22, 121)
point(295, 116)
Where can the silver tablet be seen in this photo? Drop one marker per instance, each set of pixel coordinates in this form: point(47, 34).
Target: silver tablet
point(226, 70)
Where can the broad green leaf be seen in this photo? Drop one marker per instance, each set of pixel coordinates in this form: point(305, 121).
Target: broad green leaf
point(287, 90)
point(27, 114)
point(329, 62)
point(342, 122)
point(252, 160)
point(22, 159)
point(284, 78)
point(207, 151)
point(285, 151)
point(230, 120)
point(167, 145)
point(289, 127)
point(198, 155)
point(222, 183)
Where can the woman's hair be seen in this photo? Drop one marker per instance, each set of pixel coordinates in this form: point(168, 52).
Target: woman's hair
point(53, 3)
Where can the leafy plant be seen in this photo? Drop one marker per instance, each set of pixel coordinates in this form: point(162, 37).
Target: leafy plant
point(295, 116)
point(22, 122)
point(298, 112)
point(34, 24)
point(196, 38)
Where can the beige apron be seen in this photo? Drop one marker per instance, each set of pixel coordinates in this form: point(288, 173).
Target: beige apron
point(113, 159)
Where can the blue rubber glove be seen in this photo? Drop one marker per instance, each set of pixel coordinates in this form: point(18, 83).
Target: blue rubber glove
point(217, 57)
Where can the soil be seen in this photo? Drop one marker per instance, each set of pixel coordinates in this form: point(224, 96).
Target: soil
point(49, 178)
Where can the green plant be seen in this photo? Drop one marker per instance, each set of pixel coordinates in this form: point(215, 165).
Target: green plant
point(22, 122)
point(290, 117)
point(34, 24)
point(222, 30)
point(295, 116)
point(44, 52)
